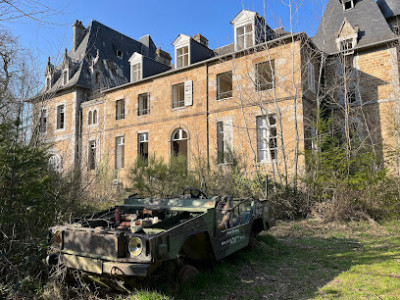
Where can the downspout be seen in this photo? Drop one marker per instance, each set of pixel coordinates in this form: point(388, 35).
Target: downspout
point(208, 121)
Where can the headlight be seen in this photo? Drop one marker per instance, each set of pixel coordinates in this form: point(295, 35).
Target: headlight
point(135, 246)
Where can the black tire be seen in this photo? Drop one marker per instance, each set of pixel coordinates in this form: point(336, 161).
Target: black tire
point(187, 273)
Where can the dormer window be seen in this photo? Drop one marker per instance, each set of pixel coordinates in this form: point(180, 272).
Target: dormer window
point(136, 72)
point(244, 37)
point(136, 62)
point(246, 27)
point(182, 51)
point(182, 57)
point(346, 46)
point(119, 54)
point(348, 4)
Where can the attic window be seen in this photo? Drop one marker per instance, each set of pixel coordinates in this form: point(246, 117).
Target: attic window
point(136, 72)
point(347, 46)
point(119, 53)
point(347, 5)
point(244, 37)
point(182, 56)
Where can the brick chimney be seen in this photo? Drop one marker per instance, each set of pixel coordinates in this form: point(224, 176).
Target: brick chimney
point(78, 32)
point(201, 39)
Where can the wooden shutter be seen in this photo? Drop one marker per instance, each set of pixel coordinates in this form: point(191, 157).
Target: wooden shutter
point(188, 93)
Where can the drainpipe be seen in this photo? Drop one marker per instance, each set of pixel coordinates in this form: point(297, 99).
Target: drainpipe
point(208, 122)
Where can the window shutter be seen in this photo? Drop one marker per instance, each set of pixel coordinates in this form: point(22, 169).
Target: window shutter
point(188, 92)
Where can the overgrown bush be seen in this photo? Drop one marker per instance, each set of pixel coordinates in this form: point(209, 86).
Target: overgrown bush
point(32, 198)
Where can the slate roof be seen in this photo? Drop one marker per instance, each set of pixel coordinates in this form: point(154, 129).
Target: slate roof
point(389, 8)
point(99, 46)
point(366, 15)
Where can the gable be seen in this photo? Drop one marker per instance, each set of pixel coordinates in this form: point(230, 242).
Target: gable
point(346, 30)
point(244, 16)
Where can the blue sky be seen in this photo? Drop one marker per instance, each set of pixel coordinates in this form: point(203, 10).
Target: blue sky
point(162, 19)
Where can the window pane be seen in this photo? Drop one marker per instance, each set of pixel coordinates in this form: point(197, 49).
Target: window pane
point(224, 85)
point(178, 92)
point(120, 109)
point(143, 104)
point(264, 75)
point(119, 152)
point(143, 146)
point(60, 117)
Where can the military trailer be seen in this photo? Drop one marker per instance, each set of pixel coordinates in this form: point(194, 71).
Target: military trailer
point(140, 236)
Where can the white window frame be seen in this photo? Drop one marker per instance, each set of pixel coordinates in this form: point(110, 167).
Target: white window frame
point(266, 135)
point(56, 117)
point(311, 76)
point(180, 58)
point(245, 35)
point(136, 72)
point(119, 141)
point(227, 139)
point(187, 95)
point(89, 151)
point(143, 112)
point(145, 135)
point(180, 42)
point(136, 67)
point(348, 1)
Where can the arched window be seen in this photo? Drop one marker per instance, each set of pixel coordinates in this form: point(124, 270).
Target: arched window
point(179, 145)
point(95, 116)
point(90, 121)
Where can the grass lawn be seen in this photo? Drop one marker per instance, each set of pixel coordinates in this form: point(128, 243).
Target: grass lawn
point(304, 260)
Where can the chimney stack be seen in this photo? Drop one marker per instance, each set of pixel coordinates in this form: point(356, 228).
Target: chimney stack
point(201, 39)
point(78, 32)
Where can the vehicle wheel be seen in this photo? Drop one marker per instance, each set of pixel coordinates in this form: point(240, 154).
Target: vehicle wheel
point(187, 273)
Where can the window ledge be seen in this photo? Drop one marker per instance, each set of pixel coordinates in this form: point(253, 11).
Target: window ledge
point(222, 99)
point(179, 108)
point(266, 162)
point(59, 130)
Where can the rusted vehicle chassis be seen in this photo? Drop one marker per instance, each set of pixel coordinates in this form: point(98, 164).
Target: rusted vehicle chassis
point(136, 238)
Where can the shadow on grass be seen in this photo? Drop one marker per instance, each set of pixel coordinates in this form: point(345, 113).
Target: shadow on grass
point(289, 268)
point(302, 265)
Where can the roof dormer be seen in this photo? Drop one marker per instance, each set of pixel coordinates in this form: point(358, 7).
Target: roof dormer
point(65, 68)
point(243, 27)
point(136, 67)
point(347, 37)
point(347, 4)
point(250, 29)
point(182, 51)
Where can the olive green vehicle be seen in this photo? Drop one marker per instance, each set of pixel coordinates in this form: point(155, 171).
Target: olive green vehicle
point(140, 236)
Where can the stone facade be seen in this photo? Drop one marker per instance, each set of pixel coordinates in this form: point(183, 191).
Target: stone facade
point(266, 121)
